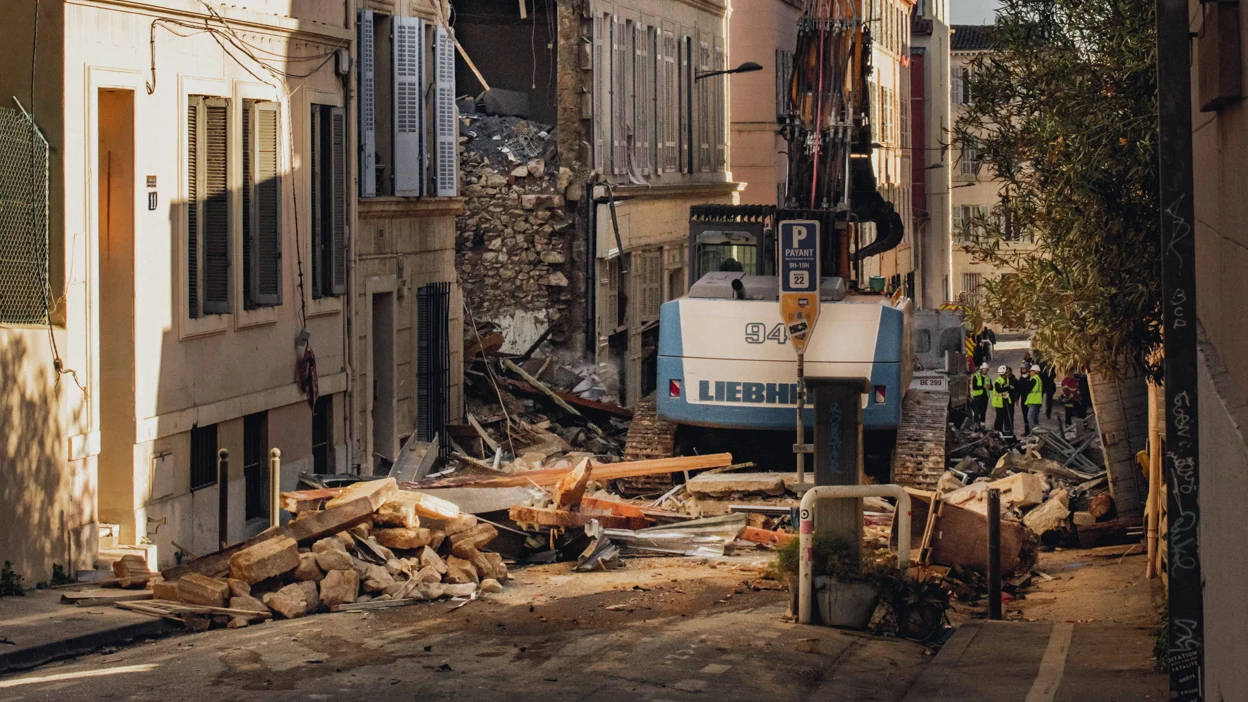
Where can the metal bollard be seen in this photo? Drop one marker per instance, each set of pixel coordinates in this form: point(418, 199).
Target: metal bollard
point(806, 534)
point(275, 487)
point(223, 497)
point(994, 553)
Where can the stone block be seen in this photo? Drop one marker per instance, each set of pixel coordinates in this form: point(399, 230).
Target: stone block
point(197, 589)
point(402, 538)
point(267, 559)
point(307, 569)
point(339, 587)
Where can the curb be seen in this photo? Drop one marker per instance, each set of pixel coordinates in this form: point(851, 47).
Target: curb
point(26, 658)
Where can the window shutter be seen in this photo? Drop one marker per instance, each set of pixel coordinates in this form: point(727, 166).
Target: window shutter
point(319, 259)
point(618, 102)
point(338, 200)
point(409, 103)
point(720, 108)
point(444, 114)
point(248, 195)
point(704, 110)
point(266, 205)
point(609, 297)
point(658, 103)
point(216, 208)
point(368, 107)
point(194, 109)
point(686, 86)
point(651, 283)
point(671, 104)
point(601, 69)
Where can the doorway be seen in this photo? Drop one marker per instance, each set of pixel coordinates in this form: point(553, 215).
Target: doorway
point(383, 379)
point(115, 209)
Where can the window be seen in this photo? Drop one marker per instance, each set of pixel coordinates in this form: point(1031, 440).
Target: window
point(719, 95)
point(671, 105)
point(784, 74)
point(262, 205)
point(961, 85)
point(970, 157)
point(610, 305)
point(686, 104)
point(704, 109)
point(255, 468)
point(203, 456)
point(649, 281)
point(208, 213)
point(971, 283)
point(323, 435)
point(329, 201)
point(407, 121)
point(24, 290)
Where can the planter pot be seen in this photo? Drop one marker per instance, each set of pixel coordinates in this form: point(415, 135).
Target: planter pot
point(843, 604)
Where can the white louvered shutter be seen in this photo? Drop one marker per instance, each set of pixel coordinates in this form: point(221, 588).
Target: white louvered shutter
point(609, 297)
point(601, 69)
point(704, 109)
point(641, 99)
point(408, 46)
point(684, 104)
point(215, 207)
point(194, 109)
point(651, 280)
point(266, 204)
point(447, 154)
point(619, 104)
point(658, 104)
point(338, 226)
point(368, 106)
point(720, 109)
point(670, 103)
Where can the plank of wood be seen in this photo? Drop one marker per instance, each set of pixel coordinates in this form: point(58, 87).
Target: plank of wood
point(373, 604)
point(619, 509)
point(766, 536)
point(550, 393)
point(571, 487)
point(305, 530)
point(602, 472)
point(485, 436)
point(376, 492)
point(606, 408)
point(542, 517)
point(93, 598)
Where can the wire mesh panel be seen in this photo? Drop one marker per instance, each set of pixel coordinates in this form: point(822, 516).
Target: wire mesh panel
point(23, 220)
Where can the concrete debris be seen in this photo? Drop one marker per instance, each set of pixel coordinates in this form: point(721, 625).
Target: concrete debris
point(1052, 516)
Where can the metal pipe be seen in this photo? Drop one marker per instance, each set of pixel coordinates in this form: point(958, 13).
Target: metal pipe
point(994, 553)
point(806, 532)
point(275, 487)
point(801, 422)
point(223, 497)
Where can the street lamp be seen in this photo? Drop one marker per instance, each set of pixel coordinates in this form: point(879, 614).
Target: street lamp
point(747, 67)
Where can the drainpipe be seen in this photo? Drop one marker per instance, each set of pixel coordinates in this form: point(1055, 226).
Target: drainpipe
point(805, 591)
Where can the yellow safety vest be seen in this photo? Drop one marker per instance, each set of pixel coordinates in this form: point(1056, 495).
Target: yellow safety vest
point(1000, 388)
point(1036, 396)
point(978, 384)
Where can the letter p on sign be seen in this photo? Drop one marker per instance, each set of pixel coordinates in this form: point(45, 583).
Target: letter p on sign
point(799, 235)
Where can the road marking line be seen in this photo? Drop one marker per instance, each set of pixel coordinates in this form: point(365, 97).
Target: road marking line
point(715, 668)
point(1052, 664)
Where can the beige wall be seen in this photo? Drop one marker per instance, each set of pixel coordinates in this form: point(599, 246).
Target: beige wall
point(757, 30)
point(403, 243)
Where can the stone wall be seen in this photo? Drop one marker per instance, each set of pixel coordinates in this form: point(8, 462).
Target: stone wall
point(513, 241)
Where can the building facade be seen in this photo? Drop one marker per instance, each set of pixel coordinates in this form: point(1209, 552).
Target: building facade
point(889, 91)
point(642, 138)
point(975, 191)
point(190, 289)
point(932, 162)
point(765, 33)
point(1219, 144)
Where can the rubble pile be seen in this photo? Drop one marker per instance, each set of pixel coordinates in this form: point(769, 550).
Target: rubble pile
point(513, 241)
point(367, 546)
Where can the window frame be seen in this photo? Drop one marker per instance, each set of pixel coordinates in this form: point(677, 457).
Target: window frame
point(203, 325)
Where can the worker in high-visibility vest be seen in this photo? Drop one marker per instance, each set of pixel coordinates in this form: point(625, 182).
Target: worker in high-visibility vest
point(979, 393)
point(1034, 398)
point(1003, 409)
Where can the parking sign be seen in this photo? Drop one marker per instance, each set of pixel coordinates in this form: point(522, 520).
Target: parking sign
point(799, 279)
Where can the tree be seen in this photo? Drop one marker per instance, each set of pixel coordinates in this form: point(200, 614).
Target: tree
point(1065, 114)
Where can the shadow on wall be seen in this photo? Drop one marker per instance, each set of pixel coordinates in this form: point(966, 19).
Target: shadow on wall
point(47, 506)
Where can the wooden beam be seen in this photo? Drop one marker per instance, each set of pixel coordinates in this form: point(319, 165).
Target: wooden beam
point(483, 434)
point(537, 516)
point(602, 471)
point(605, 408)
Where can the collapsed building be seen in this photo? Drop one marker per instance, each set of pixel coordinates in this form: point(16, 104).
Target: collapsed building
point(592, 138)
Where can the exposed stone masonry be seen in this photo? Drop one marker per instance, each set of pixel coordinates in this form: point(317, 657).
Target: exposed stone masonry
point(513, 241)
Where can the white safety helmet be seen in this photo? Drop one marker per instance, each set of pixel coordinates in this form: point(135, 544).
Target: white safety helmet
point(983, 366)
point(1003, 370)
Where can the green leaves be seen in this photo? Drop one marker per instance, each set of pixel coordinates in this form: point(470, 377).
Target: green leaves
point(1065, 114)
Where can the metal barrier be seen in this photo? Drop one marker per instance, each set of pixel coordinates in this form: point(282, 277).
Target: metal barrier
point(806, 530)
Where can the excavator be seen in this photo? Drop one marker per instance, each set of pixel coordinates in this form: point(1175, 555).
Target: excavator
point(727, 375)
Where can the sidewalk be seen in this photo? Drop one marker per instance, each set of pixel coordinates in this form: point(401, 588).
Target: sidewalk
point(1088, 634)
point(37, 628)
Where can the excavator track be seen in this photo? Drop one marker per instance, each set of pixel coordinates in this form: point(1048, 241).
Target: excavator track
point(648, 437)
point(919, 457)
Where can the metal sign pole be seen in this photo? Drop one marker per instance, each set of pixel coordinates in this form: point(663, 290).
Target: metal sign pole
point(799, 279)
